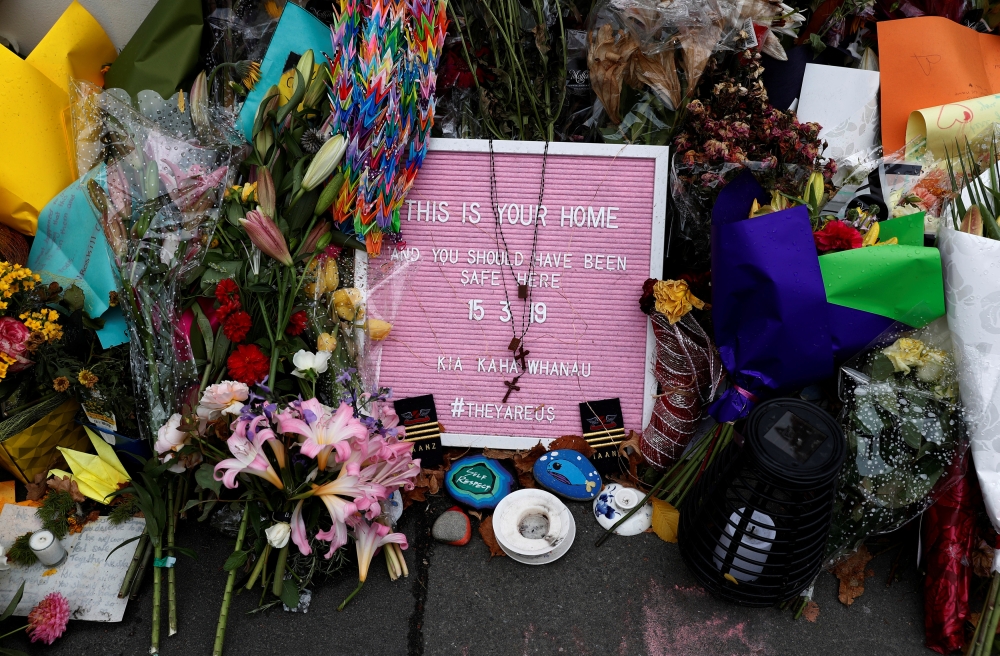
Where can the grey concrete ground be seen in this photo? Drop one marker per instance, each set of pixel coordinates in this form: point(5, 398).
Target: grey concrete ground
point(631, 596)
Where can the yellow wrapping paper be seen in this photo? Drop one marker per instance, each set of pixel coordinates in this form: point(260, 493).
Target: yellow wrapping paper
point(33, 450)
point(942, 125)
point(35, 134)
point(98, 476)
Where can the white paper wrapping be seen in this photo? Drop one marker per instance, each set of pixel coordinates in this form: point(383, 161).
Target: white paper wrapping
point(972, 295)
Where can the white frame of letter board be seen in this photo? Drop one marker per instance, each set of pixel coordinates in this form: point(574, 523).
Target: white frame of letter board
point(661, 156)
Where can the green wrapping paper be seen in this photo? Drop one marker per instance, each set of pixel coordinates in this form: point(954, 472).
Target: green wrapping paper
point(163, 52)
point(902, 282)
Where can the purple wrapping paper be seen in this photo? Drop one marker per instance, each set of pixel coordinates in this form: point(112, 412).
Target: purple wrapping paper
point(773, 327)
point(768, 301)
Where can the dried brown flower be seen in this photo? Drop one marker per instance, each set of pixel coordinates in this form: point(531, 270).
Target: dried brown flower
point(60, 384)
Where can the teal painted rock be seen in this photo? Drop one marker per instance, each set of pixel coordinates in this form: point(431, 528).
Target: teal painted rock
point(569, 474)
point(478, 482)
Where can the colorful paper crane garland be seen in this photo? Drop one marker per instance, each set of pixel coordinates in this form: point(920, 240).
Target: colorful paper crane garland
point(383, 102)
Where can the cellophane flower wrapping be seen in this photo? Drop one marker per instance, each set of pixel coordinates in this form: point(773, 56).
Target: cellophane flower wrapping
point(949, 530)
point(386, 282)
point(157, 192)
point(906, 433)
point(689, 372)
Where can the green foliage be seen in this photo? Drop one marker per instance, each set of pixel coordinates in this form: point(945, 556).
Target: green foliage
point(124, 511)
point(20, 553)
point(55, 508)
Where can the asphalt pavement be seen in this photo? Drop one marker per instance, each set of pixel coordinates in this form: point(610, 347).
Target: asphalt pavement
point(631, 596)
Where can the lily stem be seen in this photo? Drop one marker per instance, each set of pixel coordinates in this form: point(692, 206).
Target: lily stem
point(351, 596)
point(171, 574)
point(154, 647)
point(220, 630)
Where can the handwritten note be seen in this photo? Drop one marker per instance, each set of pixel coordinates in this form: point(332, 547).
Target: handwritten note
point(930, 62)
point(85, 578)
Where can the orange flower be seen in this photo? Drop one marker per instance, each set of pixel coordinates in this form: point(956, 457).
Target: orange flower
point(60, 384)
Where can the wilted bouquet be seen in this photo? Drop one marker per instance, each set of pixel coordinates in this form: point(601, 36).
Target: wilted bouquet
point(906, 436)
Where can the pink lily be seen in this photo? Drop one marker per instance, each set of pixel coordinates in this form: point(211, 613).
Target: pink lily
point(368, 537)
point(266, 236)
point(249, 455)
point(323, 431)
point(393, 474)
point(343, 497)
point(299, 536)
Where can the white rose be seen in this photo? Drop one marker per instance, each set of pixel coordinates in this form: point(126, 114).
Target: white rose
point(4, 565)
point(222, 398)
point(305, 361)
point(170, 437)
point(277, 535)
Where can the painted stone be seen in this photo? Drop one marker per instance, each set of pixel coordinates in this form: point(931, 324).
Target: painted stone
point(569, 474)
point(452, 527)
point(478, 482)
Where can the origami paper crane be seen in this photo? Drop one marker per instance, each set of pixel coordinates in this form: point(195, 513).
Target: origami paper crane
point(97, 476)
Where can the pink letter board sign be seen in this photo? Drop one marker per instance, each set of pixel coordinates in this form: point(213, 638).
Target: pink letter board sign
point(600, 235)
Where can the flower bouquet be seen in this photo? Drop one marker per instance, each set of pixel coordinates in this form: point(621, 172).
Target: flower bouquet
point(796, 291)
point(906, 434)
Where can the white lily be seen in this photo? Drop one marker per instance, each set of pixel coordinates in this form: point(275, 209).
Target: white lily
point(305, 362)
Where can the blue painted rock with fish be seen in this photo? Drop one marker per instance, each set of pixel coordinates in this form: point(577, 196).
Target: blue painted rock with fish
point(478, 482)
point(569, 474)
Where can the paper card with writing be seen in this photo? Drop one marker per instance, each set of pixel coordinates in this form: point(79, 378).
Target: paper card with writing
point(600, 235)
point(87, 577)
point(419, 417)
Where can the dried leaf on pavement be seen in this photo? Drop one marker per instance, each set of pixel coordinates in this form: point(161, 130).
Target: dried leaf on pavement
point(851, 572)
point(811, 612)
point(489, 537)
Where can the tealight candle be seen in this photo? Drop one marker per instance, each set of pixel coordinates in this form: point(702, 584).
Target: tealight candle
point(47, 548)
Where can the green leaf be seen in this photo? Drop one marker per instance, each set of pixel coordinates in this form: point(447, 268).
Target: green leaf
point(11, 652)
point(74, 298)
point(208, 510)
point(13, 603)
point(184, 551)
point(293, 102)
point(205, 328)
point(222, 344)
point(302, 211)
point(122, 545)
point(290, 594)
point(205, 477)
point(911, 435)
point(236, 560)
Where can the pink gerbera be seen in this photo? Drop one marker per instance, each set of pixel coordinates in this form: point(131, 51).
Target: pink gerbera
point(47, 621)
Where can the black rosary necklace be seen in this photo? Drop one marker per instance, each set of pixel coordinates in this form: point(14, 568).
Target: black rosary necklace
point(523, 290)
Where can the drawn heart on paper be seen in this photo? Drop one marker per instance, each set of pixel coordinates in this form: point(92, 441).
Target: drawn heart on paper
point(953, 114)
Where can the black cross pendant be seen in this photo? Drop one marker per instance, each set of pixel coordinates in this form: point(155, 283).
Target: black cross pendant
point(511, 387)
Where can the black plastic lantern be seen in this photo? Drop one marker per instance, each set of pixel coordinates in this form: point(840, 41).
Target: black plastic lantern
point(754, 527)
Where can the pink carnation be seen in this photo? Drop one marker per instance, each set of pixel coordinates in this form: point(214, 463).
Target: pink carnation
point(47, 621)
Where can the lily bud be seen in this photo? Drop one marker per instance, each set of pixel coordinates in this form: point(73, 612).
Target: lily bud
point(263, 140)
point(311, 244)
point(266, 236)
point(317, 90)
point(199, 102)
point(267, 104)
point(266, 196)
point(325, 161)
point(305, 66)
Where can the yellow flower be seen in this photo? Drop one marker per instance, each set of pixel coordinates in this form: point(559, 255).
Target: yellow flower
point(326, 342)
point(871, 236)
point(60, 384)
point(249, 192)
point(87, 378)
point(904, 353)
point(113, 299)
point(674, 299)
point(932, 365)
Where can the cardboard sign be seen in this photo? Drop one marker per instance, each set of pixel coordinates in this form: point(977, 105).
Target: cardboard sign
point(600, 231)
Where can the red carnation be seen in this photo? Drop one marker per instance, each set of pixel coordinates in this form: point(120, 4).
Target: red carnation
point(236, 326)
point(837, 236)
point(227, 309)
point(227, 292)
point(248, 364)
point(297, 323)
